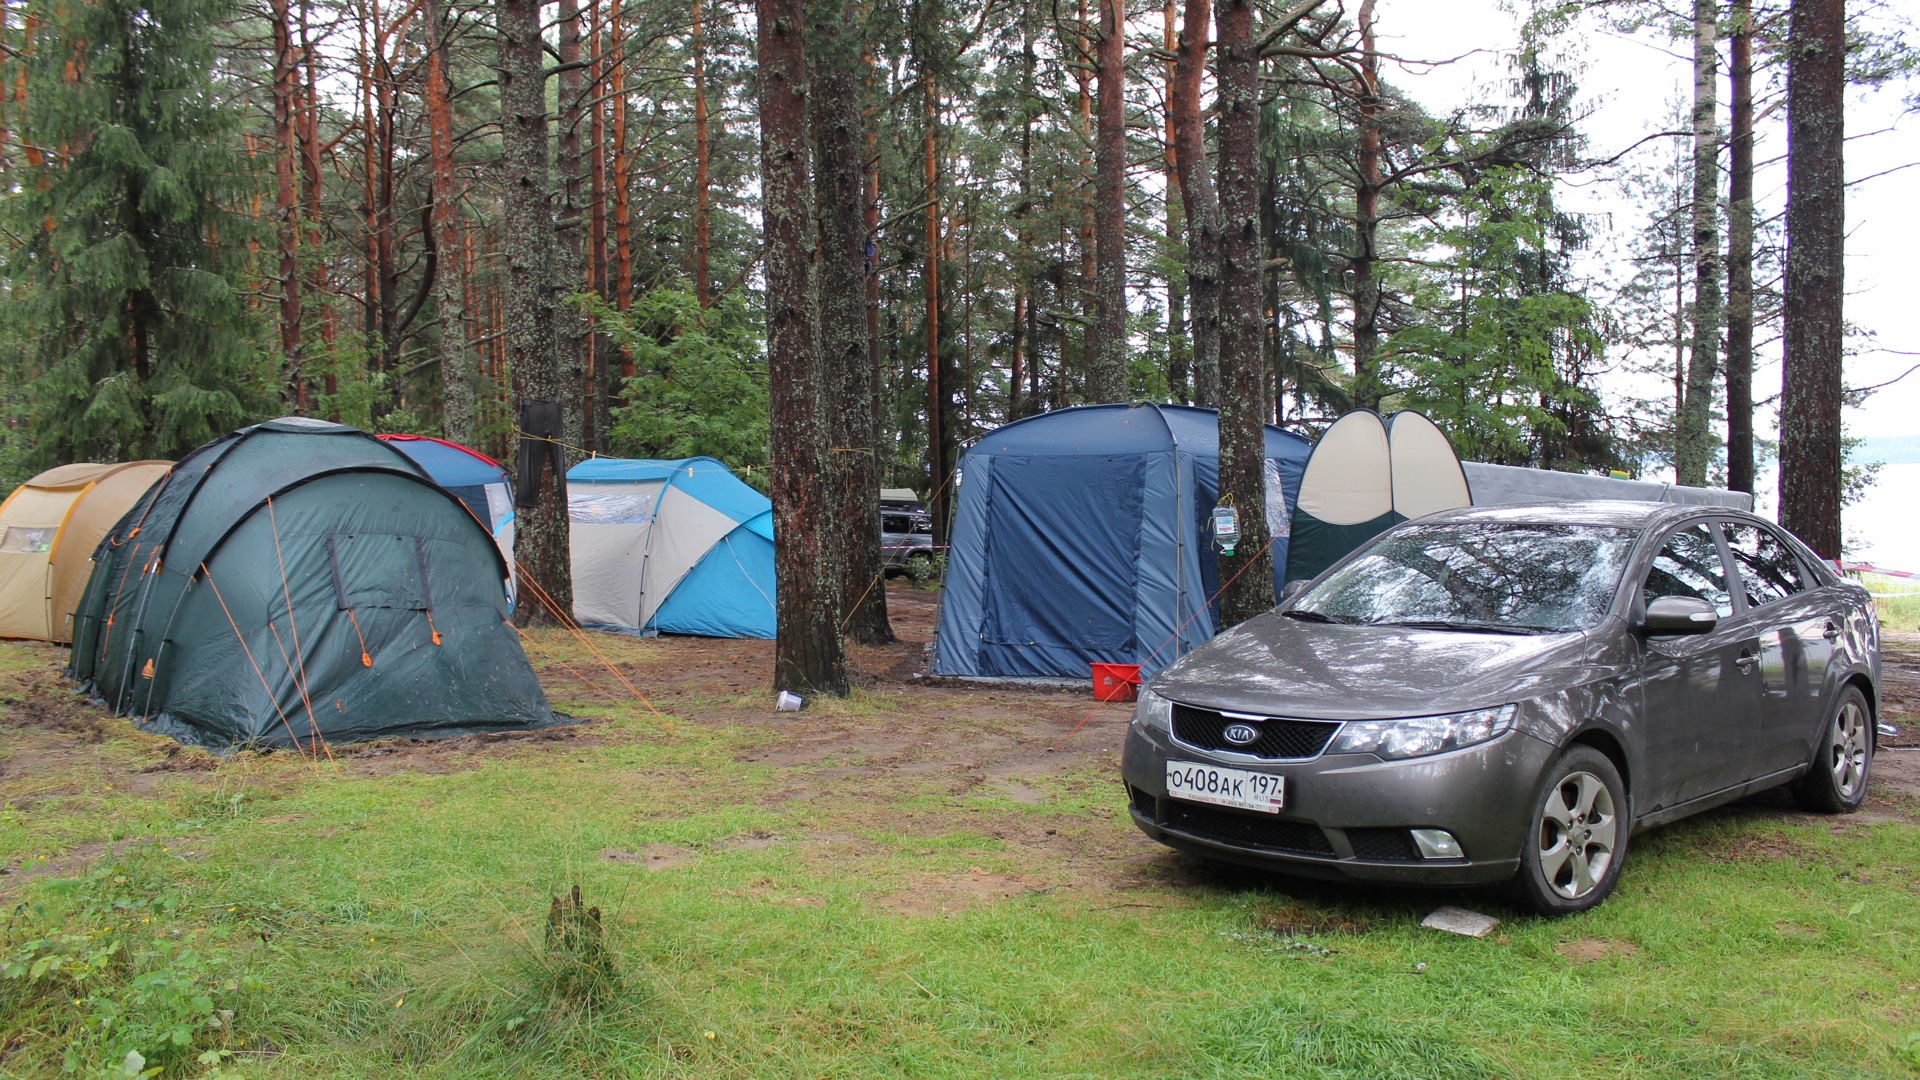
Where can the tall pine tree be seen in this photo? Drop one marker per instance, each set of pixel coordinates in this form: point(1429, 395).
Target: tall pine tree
point(126, 303)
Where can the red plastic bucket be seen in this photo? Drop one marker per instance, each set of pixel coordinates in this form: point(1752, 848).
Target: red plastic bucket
point(1115, 682)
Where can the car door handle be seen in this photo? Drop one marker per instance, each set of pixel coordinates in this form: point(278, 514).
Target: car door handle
point(1745, 662)
point(1831, 633)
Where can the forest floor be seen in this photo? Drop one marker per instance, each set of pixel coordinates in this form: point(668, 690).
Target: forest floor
point(930, 878)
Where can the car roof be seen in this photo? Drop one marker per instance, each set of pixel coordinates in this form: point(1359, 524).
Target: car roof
point(1618, 514)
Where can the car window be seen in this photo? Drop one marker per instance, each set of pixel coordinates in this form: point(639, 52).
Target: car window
point(1477, 575)
point(1689, 565)
point(1768, 568)
point(896, 523)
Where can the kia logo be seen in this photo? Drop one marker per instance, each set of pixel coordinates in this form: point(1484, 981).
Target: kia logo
point(1241, 734)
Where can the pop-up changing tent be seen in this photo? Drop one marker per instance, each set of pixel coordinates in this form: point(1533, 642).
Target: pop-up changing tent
point(300, 582)
point(1366, 475)
point(478, 481)
point(1081, 536)
point(48, 529)
point(673, 547)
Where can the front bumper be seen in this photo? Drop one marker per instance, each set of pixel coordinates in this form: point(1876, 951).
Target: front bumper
point(1350, 815)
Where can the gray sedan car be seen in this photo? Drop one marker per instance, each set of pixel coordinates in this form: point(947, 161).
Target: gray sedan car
point(1506, 694)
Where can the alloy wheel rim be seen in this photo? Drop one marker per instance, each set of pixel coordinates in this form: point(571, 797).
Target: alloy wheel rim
point(1578, 834)
point(1849, 761)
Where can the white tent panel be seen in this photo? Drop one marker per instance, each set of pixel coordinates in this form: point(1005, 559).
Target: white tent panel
point(1348, 480)
point(691, 530)
point(1426, 474)
point(611, 527)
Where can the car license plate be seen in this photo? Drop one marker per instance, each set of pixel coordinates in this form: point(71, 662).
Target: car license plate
point(1239, 788)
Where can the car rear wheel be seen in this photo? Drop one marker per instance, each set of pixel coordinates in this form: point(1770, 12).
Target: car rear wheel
point(1837, 783)
point(1573, 854)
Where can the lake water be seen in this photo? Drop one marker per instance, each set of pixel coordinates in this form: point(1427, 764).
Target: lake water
point(1884, 528)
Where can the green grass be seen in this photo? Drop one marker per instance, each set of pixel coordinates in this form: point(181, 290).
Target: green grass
point(393, 924)
point(1895, 600)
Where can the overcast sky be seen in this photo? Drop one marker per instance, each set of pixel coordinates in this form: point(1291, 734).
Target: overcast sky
point(1630, 84)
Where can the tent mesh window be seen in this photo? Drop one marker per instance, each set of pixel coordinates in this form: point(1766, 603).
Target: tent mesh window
point(1280, 739)
point(1248, 830)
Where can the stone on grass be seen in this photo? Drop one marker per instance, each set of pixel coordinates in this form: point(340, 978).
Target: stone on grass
point(1458, 920)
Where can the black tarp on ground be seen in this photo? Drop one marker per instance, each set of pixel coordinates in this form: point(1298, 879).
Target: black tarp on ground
point(290, 579)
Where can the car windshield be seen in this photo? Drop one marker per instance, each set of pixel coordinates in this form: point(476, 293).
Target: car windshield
point(1476, 576)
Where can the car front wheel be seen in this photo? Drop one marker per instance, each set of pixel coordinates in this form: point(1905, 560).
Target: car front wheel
point(1837, 783)
point(1573, 853)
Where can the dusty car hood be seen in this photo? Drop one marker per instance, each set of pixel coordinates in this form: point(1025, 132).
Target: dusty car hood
point(1278, 666)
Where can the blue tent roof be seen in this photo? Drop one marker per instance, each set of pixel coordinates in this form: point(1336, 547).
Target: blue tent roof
point(450, 464)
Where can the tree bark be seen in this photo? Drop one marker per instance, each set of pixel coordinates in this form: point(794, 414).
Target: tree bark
point(846, 354)
point(702, 153)
point(937, 464)
point(1177, 373)
point(540, 533)
point(808, 654)
point(1246, 577)
point(1368, 387)
point(1740, 256)
point(458, 378)
point(569, 266)
point(603, 348)
point(1810, 461)
point(1199, 199)
point(286, 208)
point(1694, 440)
point(1107, 368)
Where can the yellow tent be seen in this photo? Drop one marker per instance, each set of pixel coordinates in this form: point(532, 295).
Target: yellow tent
point(49, 527)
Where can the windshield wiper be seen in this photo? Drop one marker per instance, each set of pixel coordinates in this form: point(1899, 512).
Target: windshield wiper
point(1463, 627)
point(1305, 615)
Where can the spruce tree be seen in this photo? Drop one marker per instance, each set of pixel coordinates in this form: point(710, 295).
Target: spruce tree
point(126, 299)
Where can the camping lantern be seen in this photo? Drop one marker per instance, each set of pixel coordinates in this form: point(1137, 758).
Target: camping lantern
point(1226, 528)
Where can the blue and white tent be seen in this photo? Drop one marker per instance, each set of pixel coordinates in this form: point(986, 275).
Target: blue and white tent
point(675, 547)
point(1081, 536)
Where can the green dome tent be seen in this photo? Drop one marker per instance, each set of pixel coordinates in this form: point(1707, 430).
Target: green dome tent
point(300, 582)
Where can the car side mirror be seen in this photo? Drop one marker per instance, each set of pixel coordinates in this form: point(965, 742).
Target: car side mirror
point(1679, 615)
point(1292, 589)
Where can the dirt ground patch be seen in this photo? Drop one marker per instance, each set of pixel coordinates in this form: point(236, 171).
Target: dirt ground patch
point(1587, 950)
point(1008, 757)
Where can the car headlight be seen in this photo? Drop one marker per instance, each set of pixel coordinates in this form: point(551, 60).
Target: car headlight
point(1420, 735)
point(1153, 711)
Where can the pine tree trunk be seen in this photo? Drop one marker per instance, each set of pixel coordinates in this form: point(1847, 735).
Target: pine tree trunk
point(603, 347)
point(702, 152)
point(622, 184)
point(1694, 441)
point(1246, 576)
point(569, 229)
point(1201, 202)
point(808, 654)
point(1740, 257)
point(1177, 374)
point(458, 379)
point(1107, 368)
point(1810, 461)
point(540, 534)
point(1368, 387)
point(286, 210)
point(846, 353)
point(937, 465)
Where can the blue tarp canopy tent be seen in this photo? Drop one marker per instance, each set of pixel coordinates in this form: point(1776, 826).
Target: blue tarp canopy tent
point(675, 547)
point(1081, 536)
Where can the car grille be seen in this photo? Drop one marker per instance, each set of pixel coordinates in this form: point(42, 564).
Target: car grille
point(1246, 830)
point(1279, 740)
point(1383, 845)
